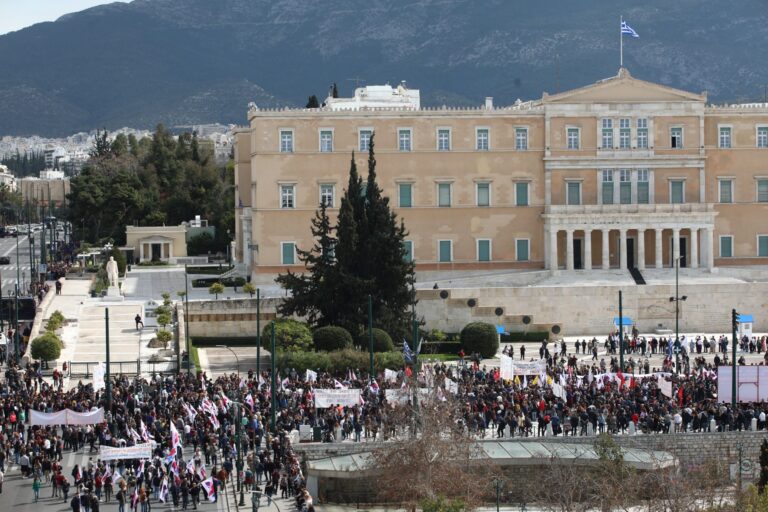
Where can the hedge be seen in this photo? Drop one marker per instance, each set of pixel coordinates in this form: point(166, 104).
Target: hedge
point(440, 347)
point(331, 337)
point(480, 337)
point(205, 282)
point(290, 335)
point(210, 270)
point(382, 342)
point(525, 336)
point(338, 361)
point(46, 347)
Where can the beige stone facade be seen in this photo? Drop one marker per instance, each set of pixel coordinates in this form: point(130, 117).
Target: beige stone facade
point(156, 243)
point(621, 173)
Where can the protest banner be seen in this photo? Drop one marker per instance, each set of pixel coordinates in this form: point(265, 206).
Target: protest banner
point(66, 417)
point(138, 451)
point(330, 397)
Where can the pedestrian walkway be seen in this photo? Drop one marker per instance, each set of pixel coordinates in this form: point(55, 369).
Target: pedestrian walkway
point(124, 339)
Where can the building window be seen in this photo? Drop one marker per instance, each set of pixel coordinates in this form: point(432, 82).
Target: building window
point(365, 140)
point(326, 141)
point(573, 138)
point(726, 191)
point(444, 195)
point(762, 191)
point(288, 253)
point(327, 195)
point(643, 194)
point(642, 133)
point(521, 193)
point(405, 192)
point(482, 139)
point(677, 191)
point(445, 251)
point(762, 137)
point(676, 137)
point(408, 250)
point(521, 139)
point(522, 252)
point(574, 193)
point(287, 196)
point(625, 186)
point(404, 139)
point(286, 141)
point(762, 246)
point(625, 134)
point(726, 246)
point(725, 137)
point(444, 139)
point(483, 250)
point(483, 194)
point(607, 189)
point(607, 136)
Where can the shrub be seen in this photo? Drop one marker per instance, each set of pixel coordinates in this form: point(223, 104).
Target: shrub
point(290, 336)
point(55, 321)
point(437, 335)
point(249, 288)
point(164, 319)
point(46, 347)
point(164, 337)
point(201, 244)
point(338, 361)
point(382, 342)
point(480, 337)
point(331, 338)
point(216, 289)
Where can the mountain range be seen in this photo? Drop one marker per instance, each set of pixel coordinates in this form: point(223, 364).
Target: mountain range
point(184, 62)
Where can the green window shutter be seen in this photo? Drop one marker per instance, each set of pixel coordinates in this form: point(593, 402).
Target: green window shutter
point(289, 254)
point(521, 249)
point(762, 191)
point(445, 251)
point(444, 194)
point(408, 246)
point(521, 194)
point(642, 193)
point(762, 246)
point(726, 247)
point(677, 192)
point(483, 250)
point(625, 191)
point(483, 194)
point(726, 191)
point(574, 193)
point(607, 192)
point(405, 195)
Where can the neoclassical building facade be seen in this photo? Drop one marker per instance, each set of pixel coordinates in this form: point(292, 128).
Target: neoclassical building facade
point(622, 173)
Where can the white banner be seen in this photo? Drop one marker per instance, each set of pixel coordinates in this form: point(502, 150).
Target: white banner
point(401, 396)
point(751, 383)
point(330, 397)
point(98, 376)
point(526, 367)
point(139, 451)
point(558, 390)
point(451, 386)
point(390, 375)
point(665, 386)
point(66, 417)
point(507, 372)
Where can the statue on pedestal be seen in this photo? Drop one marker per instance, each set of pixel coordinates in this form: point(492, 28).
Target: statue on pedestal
point(112, 273)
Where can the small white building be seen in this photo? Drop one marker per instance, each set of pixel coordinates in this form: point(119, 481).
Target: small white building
point(7, 179)
point(378, 96)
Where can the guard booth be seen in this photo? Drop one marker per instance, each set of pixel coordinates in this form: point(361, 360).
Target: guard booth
point(626, 324)
point(745, 325)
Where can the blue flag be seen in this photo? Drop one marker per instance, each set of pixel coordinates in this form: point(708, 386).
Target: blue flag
point(626, 29)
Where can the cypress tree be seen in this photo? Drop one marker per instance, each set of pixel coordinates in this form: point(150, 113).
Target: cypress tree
point(763, 466)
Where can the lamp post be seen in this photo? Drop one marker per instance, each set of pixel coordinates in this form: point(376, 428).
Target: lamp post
point(258, 335)
point(676, 299)
point(106, 344)
point(186, 319)
point(734, 327)
point(16, 328)
point(621, 333)
point(236, 358)
point(370, 337)
point(274, 381)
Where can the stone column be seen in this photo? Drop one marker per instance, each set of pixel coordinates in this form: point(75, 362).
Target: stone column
point(658, 248)
point(553, 249)
point(641, 249)
point(709, 241)
point(587, 249)
point(569, 249)
point(675, 245)
point(606, 252)
point(694, 248)
point(622, 248)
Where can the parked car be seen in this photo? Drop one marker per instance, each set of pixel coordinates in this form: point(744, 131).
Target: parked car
point(11, 231)
point(5, 260)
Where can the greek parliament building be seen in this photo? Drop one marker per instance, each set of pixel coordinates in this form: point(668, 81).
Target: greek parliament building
point(622, 173)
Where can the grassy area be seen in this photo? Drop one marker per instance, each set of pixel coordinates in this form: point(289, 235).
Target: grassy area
point(194, 357)
point(438, 357)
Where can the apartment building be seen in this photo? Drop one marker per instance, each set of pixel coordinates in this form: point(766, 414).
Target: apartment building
point(618, 174)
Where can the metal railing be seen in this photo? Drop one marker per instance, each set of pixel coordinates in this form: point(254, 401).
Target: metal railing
point(136, 367)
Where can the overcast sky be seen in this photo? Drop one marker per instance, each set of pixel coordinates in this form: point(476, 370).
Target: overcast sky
point(17, 14)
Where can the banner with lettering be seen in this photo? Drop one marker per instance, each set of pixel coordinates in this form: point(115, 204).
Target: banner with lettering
point(139, 451)
point(66, 417)
point(331, 397)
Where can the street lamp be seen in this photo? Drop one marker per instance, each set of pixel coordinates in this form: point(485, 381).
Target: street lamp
point(186, 319)
point(236, 358)
point(676, 299)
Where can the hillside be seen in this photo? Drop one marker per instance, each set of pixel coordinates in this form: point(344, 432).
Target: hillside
point(194, 61)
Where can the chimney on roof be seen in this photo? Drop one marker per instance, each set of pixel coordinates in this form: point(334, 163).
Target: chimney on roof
point(489, 103)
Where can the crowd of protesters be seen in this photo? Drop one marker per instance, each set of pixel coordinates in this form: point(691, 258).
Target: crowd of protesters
point(193, 420)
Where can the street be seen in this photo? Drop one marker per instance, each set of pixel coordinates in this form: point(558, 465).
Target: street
point(8, 272)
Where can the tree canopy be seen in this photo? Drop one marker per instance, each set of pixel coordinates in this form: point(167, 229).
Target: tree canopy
point(164, 180)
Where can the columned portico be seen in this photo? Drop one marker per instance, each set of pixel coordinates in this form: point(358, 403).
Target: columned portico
point(675, 245)
point(641, 249)
point(606, 249)
point(622, 248)
point(659, 248)
point(694, 248)
point(587, 249)
point(569, 249)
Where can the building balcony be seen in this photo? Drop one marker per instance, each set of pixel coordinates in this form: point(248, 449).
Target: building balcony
point(648, 209)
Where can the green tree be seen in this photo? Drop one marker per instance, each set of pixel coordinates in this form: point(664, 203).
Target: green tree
point(46, 347)
point(331, 337)
point(101, 144)
point(290, 335)
point(249, 288)
point(201, 244)
point(312, 102)
point(164, 337)
point(480, 337)
point(763, 467)
point(164, 319)
point(216, 289)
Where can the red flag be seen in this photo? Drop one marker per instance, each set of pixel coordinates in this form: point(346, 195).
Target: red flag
point(680, 395)
point(408, 371)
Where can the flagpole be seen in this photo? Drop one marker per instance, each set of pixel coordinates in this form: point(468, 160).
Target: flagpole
point(621, 43)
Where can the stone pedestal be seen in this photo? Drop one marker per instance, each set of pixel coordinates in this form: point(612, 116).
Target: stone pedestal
point(113, 294)
point(632, 430)
point(590, 430)
point(712, 425)
point(548, 432)
point(753, 425)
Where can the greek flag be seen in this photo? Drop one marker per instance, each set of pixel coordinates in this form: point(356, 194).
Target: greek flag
point(407, 352)
point(626, 29)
